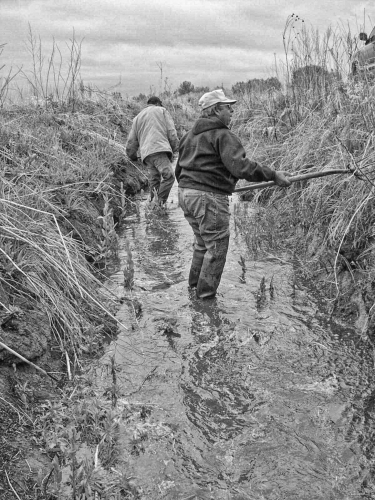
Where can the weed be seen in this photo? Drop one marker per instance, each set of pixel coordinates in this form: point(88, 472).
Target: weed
point(261, 298)
point(243, 268)
point(51, 83)
point(128, 266)
point(80, 434)
point(108, 245)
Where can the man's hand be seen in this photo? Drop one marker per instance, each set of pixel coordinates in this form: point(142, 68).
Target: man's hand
point(281, 179)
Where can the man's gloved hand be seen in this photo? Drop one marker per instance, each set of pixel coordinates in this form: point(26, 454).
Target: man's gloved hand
point(281, 179)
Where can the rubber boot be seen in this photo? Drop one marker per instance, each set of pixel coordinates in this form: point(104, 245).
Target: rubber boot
point(212, 269)
point(196, 266)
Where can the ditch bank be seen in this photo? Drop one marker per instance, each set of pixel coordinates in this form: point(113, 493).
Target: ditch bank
point(27, 395)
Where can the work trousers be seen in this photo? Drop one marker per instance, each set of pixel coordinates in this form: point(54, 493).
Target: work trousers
point(208, 215)
point(161, 175)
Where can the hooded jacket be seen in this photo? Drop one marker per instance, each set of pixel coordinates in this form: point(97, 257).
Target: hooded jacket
point(212, 158)
point(152, 131)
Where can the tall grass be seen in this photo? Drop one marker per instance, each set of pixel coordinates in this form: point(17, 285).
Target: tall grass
point(65, 183)
point(61, 158)
point(5, 81)
point(54, 78)
point(322, 119)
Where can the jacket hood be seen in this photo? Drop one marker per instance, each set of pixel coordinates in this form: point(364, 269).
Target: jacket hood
point(204, 124)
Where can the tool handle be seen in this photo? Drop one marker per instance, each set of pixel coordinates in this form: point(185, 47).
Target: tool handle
point(296, 178)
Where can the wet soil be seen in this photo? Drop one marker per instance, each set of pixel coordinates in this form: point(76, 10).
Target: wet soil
point(256, 394)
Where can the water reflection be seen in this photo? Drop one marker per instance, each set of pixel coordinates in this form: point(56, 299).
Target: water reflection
point(245, 402)
point(162, 234)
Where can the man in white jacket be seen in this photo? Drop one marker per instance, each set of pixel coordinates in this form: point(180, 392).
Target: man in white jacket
point(153, 133)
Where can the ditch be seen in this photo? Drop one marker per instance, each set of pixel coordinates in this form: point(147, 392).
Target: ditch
point(256, 394)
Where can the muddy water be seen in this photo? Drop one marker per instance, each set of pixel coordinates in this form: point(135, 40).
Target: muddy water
point(255, 394)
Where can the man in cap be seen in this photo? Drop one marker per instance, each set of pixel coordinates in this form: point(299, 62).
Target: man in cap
point(153, 133)
point(211, 160)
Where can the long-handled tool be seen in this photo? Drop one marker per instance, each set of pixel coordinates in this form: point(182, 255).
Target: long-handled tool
point(312, 175)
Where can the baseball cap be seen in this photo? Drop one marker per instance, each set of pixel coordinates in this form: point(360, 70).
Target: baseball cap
point(216, 96)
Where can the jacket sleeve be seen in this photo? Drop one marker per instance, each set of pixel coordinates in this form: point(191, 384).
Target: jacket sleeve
point(233, 156)
point(132, 144)
point(171, 132)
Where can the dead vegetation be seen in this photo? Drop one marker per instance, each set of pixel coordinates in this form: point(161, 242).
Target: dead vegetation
point(65, 184)
point(327, 223)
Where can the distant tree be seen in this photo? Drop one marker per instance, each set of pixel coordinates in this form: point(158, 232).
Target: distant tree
point(141, 97)
point(311, 76)
point(185, 88)
point(273, 83)
point(201, 90)
point(239, 88)
point(256, 84)
point(117, 96)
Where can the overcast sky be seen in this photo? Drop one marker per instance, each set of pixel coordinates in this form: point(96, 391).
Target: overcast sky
point(206, 42)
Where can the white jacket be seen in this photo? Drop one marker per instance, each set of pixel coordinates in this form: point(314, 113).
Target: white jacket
point(153, 131)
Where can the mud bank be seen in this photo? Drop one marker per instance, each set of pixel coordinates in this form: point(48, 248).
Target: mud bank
point(25, 393)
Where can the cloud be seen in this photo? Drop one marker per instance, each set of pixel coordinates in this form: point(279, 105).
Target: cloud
point(210, 68)
point(202, 41)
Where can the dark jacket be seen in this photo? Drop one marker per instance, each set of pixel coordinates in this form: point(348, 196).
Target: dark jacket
point(212, 158)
